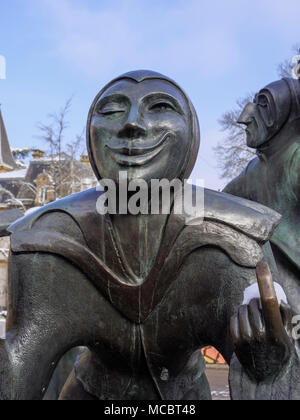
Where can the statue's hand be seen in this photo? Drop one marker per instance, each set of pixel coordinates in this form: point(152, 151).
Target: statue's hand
point(260, 331)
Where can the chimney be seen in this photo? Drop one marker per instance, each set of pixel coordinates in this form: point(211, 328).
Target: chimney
point(37, 154)
point(85, 159)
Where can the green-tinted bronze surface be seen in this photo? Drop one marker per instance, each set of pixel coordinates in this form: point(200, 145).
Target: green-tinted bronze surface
point(273, 178)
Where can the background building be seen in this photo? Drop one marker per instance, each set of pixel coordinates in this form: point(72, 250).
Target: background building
point(25, 186)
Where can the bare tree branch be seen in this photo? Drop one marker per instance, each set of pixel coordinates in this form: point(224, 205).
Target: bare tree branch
point(64, 176)
point(285, 68)
point(232, 152)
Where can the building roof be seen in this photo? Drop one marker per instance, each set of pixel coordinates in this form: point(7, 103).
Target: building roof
point(6, 158)
point(18, 186)
point(16, 174)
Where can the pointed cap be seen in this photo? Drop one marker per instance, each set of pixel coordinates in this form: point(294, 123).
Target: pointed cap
point(7, 161)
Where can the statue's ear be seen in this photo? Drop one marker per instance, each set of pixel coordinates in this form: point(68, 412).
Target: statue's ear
point(267, 107)
point(270, 115)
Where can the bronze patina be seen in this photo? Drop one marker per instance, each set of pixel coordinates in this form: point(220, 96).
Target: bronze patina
point(273, 129)
point(144, 293)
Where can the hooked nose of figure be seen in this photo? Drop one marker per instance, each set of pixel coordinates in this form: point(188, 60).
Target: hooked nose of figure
point(247, 115)
point(133, 128)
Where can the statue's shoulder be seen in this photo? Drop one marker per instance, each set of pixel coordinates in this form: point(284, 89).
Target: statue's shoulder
point(248, 217)
point(60, 215)
point(293, 157)
point(238, 186)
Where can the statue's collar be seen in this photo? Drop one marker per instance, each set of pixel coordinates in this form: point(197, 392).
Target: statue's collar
point(276, 145)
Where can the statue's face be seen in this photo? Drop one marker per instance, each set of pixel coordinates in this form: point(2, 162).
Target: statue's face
point(259, 118)
point(142, 128)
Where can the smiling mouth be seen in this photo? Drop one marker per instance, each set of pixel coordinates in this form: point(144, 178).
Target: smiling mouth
point(137, 156)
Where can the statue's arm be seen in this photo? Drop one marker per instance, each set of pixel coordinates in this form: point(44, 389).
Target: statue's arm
point(237, 185)
point(283, 386)
point(47, 315)
point(294, 173)
point(263, 363)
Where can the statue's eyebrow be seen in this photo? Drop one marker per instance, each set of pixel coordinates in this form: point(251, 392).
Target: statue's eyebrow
point(156, 96)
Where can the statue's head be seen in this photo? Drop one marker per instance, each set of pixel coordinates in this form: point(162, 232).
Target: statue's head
point(274, 108)
point(143, 123)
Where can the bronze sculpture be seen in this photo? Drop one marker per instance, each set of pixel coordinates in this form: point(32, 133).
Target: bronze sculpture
point(273, 128)
point(144, 293)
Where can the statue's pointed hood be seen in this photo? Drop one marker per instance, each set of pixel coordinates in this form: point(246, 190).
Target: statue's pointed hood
point(286, 102)
point(139, 76)
point(294, 87)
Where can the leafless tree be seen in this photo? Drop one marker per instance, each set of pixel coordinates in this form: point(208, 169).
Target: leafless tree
point(74, 151)
point(232, 152)
point(53, 134)
point(64, 171)
point(286, 67)
point(21, 154)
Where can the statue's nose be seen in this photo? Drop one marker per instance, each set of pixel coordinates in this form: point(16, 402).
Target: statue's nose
point(246, 116)
point(133, 127)
point(132, 130)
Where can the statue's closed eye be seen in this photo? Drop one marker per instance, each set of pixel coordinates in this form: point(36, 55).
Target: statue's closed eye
point(110, 109)
point(162, 106)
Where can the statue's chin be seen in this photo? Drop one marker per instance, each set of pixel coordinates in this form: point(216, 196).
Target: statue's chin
point(254, 142)
point(251, 143)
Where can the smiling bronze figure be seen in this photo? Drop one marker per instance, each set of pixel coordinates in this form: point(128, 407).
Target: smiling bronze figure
point(144, 293)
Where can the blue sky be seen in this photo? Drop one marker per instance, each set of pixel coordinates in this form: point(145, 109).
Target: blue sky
point(216, 50)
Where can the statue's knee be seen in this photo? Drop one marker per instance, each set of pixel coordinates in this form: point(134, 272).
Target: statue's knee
point(73, 390)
